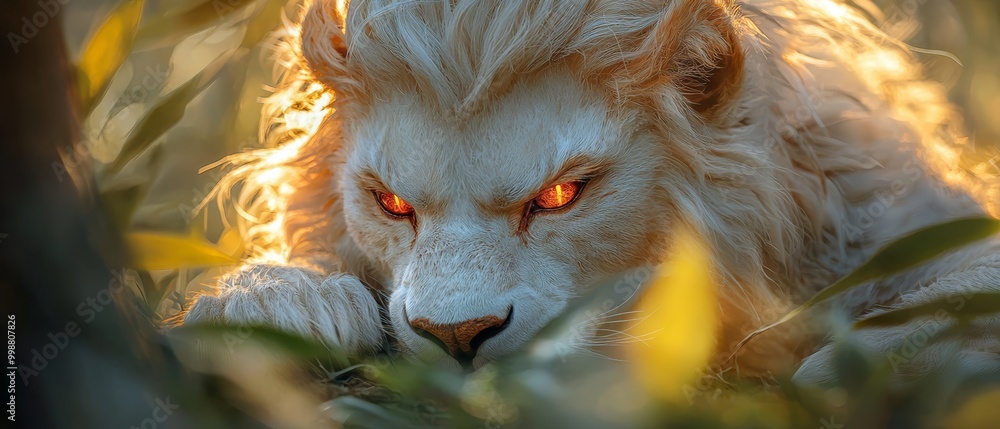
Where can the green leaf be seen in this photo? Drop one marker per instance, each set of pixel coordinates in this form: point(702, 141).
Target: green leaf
point(154, 251)
point(156, 291)
point(123, 197)
point(146, 284)
point(121, 201)
point(166, 114)
point(265, 20)
point(914, 249)
point(358, 413)
point(173, 27)
point(106, 51)
point(962, 307)
point(223, 335)
point(231, 242)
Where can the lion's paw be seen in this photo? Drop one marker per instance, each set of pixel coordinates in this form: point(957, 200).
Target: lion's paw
point(338, 310)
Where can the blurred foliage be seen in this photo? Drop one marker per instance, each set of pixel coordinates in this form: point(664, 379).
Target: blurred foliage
point(665, 386)
point(969, 32)
point(907, 252)
point(106, 50)
point(666, 362)
point(172, 86)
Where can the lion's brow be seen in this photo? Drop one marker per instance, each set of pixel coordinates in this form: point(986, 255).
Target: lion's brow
point(369, 180)
point(579, 167)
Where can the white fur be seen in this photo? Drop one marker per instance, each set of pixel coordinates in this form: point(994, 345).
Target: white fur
point(337, 309)
point(467, 109)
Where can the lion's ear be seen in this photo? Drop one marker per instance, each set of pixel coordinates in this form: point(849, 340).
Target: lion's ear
point(324, 46)
point(695, 49)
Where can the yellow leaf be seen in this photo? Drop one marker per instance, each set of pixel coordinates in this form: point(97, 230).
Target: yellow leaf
point(153, 251)
point(676, 322)
point(231, 242)
point(107, 49)
point(978, 412)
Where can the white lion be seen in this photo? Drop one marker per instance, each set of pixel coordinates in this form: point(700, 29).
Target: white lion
point(486, 159)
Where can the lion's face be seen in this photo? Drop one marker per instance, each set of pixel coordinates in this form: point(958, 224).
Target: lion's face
point(489, 226)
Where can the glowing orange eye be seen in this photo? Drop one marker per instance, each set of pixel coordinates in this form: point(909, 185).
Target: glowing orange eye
point(394, 205)
point(558, 196)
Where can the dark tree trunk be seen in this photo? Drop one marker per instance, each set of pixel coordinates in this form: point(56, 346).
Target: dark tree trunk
point(75, 365)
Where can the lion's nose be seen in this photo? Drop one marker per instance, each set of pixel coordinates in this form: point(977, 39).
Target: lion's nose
point(462, 340)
